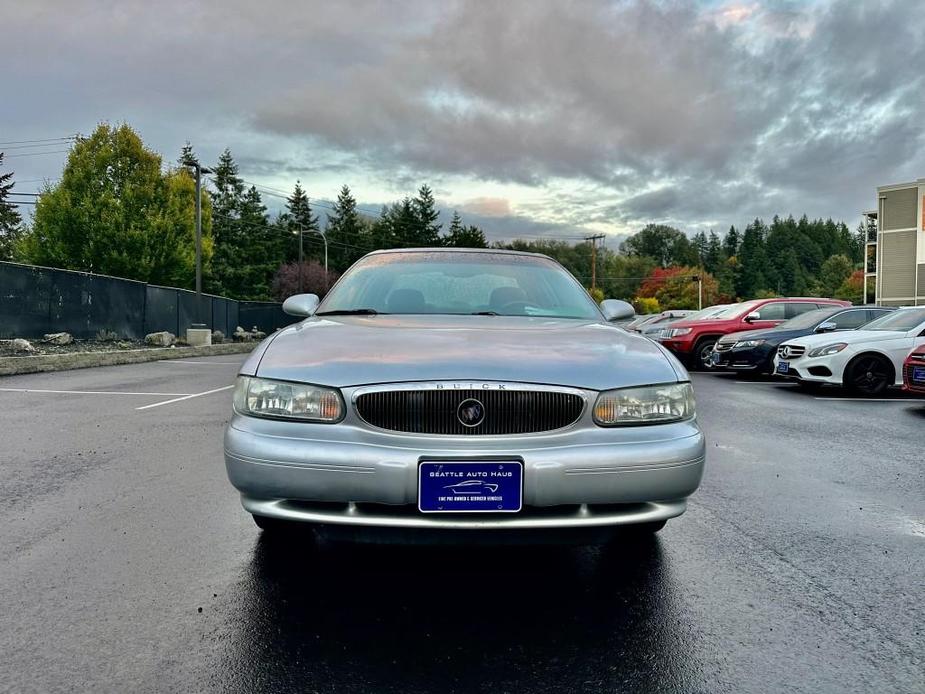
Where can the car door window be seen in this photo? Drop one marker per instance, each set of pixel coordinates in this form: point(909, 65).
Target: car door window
point(849, 320)
point(796, 308)
point(773, 311)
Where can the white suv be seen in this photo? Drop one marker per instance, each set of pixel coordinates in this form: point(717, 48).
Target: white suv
point(867, 361)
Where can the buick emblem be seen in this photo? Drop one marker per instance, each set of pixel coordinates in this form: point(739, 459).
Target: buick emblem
point(470, 412)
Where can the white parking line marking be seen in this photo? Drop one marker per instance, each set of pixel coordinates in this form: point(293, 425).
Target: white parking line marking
point(80, 392)
point(187, 361)
point(900, 400)
point(185, 397)
point(763, 383)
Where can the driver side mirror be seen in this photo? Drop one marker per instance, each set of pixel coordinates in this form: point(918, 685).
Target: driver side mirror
point(753, 316)
point(302, 305)
point(827, 327)
point(614, 309)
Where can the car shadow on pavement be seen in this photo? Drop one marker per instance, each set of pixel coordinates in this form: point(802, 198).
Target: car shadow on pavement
point(468, 618)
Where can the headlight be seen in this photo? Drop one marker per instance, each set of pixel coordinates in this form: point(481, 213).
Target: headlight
point(670, 402)
point(675, 332)
point(260, 397)
point(827, 350)
point(749, 343)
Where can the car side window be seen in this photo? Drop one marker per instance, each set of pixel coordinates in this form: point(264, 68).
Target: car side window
point(796, 308)
point(773, 311)
point(849, 320)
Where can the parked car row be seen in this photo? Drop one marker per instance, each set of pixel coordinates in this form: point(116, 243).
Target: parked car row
point(867, 360)
point(866, 349)
point(692, 340)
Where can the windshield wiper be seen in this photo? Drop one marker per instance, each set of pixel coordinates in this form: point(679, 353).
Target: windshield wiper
point(350, 312)
point(484, 313)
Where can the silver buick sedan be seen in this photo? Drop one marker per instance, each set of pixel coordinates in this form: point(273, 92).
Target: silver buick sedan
point(459, 394)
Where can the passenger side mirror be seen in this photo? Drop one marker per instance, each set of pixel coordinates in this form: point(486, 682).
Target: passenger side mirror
point(614, 309)
point(753, 316)
point(826, 327)
point(302, 305)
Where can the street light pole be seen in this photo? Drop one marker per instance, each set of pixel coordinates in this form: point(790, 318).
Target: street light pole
point(199, 171)
point(324, 238)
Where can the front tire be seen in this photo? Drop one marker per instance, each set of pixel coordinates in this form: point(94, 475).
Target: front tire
point(700, 357)
point(869, 375)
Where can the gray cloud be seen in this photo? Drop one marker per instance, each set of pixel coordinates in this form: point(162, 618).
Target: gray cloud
point(617, 113)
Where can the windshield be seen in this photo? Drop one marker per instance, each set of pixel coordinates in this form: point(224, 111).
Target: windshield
point(898, 320)
point(460, 283)
point(708, 312)
point(810, 319)
point(736, 310)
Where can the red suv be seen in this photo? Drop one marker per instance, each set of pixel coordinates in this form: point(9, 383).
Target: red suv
point(692, 340)
point(914, 371)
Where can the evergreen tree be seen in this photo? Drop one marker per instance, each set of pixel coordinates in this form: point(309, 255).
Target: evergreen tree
point(731, 242)
point(753, 261)
point(699, 246)
point(299, 211)
point(187, 156)
point(461, 236)
point(427, 229)
point(348, 237)
point(715, 258)
point(248, 249)
point(10, 220)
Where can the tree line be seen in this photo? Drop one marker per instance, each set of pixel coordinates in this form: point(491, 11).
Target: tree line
point(118, 209)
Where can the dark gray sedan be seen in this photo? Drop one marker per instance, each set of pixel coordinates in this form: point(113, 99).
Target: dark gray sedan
point(446, 392)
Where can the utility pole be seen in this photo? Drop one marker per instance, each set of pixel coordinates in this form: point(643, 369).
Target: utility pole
point(593, 240)
point(199, 171)
point(699, 280)
point(324, 238)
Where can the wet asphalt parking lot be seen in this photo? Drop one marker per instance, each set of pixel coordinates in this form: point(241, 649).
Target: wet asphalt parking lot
point(127, 564)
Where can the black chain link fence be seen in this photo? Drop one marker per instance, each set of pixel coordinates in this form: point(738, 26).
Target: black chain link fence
point(38, 300)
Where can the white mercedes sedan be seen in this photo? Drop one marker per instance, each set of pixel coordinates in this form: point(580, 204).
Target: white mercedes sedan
point(867, 361)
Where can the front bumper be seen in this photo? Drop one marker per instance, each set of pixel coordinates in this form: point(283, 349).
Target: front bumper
point(349, 474)
point(828, 369)
point(910, 385)
point(742, 359)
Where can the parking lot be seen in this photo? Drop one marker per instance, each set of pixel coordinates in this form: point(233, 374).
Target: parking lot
point(127, 564)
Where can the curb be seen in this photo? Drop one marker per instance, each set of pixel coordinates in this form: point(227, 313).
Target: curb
point(11, 366)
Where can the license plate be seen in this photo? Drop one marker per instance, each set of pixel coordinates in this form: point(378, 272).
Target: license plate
point(783, 367)
point(470, 487)
point(918, 374)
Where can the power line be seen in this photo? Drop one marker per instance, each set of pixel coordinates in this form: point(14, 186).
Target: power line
point(35, 154)
point(47, 144)
point(47, 139)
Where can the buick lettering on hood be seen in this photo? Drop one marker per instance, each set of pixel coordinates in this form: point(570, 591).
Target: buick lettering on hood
point(445, 393)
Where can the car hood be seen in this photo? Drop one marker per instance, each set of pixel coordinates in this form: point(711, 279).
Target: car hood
point(849, 337)
point(770, 334)
point(352, 350)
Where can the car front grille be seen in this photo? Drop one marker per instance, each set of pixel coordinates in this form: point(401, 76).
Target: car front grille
point(790, 351)
point(437, 411)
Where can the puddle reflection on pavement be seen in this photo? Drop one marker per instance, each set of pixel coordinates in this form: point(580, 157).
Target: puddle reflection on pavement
point(380, 618)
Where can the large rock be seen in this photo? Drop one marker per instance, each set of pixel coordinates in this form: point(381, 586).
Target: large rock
point(241, 335)
point(20, 345)
point(257, 334)
point(161, 339)
point(58, 338)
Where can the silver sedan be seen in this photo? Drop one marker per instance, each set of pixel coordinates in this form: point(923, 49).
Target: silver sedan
point(438, 393)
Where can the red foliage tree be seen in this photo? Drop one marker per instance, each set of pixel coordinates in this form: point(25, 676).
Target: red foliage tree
point(314, 279)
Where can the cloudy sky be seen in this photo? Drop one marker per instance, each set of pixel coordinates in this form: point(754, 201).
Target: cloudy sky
point(532, 118)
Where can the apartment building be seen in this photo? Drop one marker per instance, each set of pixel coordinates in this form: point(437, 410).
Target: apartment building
point(895, 250)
